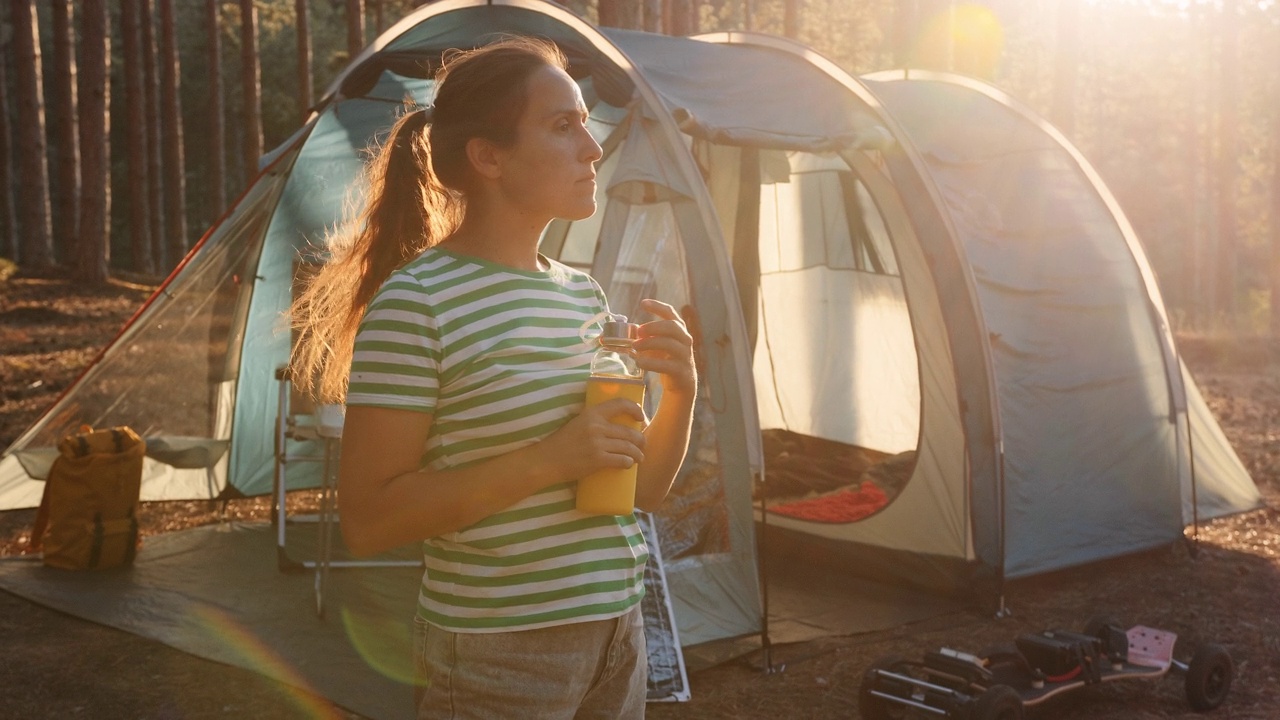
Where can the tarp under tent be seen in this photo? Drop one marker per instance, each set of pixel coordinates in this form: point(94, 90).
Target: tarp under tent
point(929, 342)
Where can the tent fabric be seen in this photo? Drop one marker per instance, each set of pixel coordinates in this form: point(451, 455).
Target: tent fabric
point(1218, 485)
point(1074, 344)
point(713, 93)
point(914, 265)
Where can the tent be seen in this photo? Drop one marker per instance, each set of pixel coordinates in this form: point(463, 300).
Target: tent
point(910, 274)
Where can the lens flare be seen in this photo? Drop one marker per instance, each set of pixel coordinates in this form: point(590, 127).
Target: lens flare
point(380, 640)
point(967, 39)
point(255, 655)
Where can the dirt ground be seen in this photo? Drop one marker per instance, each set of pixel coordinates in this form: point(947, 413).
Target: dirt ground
point(1222, 588)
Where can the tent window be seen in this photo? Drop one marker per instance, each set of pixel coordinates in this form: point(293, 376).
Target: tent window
point(872, 251)
point(827, 210)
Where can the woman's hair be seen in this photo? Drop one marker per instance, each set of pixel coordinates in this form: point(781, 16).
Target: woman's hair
point(417, 184)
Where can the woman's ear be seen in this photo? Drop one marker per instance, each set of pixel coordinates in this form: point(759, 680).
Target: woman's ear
point(485, 158)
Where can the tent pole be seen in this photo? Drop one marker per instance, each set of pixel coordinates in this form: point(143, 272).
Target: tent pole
point(1194, 542)
point(1002, 611)
point(761, 543)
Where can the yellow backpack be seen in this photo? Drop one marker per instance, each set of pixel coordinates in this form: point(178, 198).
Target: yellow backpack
point(90, 499)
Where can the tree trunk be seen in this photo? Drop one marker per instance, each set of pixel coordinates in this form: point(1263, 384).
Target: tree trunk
point(652, 12)
point(1189, 144)
point(378, 18)
point(905, 21)
point(355, 27)
point(748, 16)
point(64, 154)
point(1275, 235)
point(8, 221)
point(607, 13)
point(1196, 123)
point(93, 251)
point(791, 18)
point(175, 184)
point(305, 79)
point(135, 100)
point(1066, 67)
point(1275, 216)
point(155, 155)
point(1228, 161)
point(36, 250)
point(251, 83)
point(1207, 268)
point(627, 14)
point(217, 126)
point(681, 15)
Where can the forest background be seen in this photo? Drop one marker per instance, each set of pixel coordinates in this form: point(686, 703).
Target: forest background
point(128, 126)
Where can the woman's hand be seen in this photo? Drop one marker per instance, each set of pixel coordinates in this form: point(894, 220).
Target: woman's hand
point(596, 439)
point(665, 347)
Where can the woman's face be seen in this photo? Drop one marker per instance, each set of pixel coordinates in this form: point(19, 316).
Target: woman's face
point(550, 170)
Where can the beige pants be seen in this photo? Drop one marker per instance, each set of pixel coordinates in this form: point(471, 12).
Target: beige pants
point(582, 670)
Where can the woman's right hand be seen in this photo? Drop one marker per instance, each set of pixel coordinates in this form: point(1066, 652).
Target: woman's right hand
point(593, 441)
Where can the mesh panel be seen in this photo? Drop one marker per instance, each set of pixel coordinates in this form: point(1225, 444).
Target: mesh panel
point(163, 376)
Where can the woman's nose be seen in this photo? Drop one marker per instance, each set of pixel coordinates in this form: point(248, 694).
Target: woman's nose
point(593, 150)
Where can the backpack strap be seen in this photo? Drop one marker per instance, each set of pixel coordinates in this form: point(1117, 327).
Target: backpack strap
point(131, 549)
point(95, 552)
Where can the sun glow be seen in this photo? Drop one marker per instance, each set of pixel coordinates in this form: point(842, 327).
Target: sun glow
point(967, 37)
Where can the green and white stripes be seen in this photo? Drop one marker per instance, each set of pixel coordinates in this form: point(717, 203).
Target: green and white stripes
point(493, 353)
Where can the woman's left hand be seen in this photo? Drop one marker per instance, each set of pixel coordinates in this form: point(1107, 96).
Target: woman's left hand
point(665, 347)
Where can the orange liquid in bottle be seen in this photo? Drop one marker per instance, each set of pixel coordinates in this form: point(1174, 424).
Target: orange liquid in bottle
point(611, 491)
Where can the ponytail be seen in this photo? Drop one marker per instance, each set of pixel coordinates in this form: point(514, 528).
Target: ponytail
point(406, 212)
point(417, 184)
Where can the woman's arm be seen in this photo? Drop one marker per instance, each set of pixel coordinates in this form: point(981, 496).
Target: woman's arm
point(386, 501)
point(665, 347)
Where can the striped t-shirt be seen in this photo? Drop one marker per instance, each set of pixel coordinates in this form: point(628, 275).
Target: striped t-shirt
point(494, 354)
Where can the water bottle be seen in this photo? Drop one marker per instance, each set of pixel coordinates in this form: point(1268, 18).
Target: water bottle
point(614, 373)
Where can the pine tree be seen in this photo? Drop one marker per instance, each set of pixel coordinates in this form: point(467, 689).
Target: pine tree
point(64, 141)
point(355, 27)
point(251, 85)
point(302, 11)
point(94, 247)
point(1066, 67)
point(217, 190)
point(8, 219)
point(175, 205)
point(36, 248)
point(1228, 160)
point(155, 151)
point(136, 139)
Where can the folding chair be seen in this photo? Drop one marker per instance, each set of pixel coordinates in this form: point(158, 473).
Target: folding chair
point(299, 427)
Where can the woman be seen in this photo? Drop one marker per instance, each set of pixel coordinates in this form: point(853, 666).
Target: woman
point(465, 424)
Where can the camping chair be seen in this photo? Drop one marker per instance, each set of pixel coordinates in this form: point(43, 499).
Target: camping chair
point(299, 426)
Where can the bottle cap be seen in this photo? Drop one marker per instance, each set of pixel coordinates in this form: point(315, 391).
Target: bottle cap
point(617, 328)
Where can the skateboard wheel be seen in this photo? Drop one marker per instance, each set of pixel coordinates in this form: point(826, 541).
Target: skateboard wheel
point(998, 702)
point(1209, 678)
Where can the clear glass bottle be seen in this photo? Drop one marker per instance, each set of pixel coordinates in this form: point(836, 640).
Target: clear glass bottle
point(616, 357)
point(614, 373)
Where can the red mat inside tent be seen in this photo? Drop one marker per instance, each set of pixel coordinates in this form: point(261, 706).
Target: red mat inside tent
point(842, 506)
